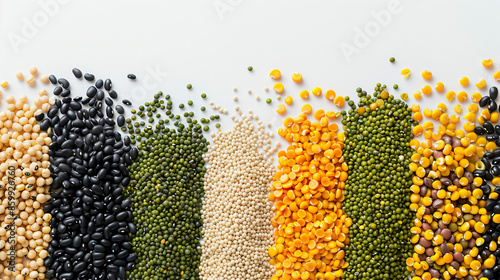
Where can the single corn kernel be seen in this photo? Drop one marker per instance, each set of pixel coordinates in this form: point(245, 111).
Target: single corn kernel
point(329, 94)
point(473, 108)
point(278, 88)
point(476, 96)
point(316, 91)
point(306, 108)
point(275, 74)
point(417, 95)
point(462, 96)
point(406, 73)
point(458, 109)
point(464, 81)
point(439, 86)
point(450, 95)
point(487, 62)
point(415, 107)
point(426, 90)
point(339, 101)
point(288, 100)
point(427, 112)
point(297, 77)
point(4, 84)
point(442, 107)
point(426, 75)
point(281, 109)
point(417, 116)
point(304, 94)
point(496, 75)
point(404, 96)
point(481, 84)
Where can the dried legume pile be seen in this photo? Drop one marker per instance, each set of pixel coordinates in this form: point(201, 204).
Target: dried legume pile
point(166, 192)
point(24, 169)
point(311, 230)
point(377, 198)
point(236, 210)
point(91, 217)
point(449, 219)
point(488, 171)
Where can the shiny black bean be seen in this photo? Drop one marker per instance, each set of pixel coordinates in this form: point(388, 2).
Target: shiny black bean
point(99, 83)
point(108, 84)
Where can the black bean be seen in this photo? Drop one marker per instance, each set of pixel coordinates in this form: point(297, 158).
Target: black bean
point(109, 111)
point(77, 72)
point(57, 90)
point(65, 93)
point(63, 82)
point(100, 95)
point(75, 105)
point(108, 84)
point(119, 109)
point(40, 116)
point(488, 126)
point(108, 101)
point(91, 91)
point(493, 93)
point(120, 120)
point(126, 102)
point(99, 83)
point(492, 107)
point(485, 101)
point(53, 79)
point(131, 76)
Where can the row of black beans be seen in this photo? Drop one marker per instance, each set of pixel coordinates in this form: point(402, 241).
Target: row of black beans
point(91, 218)
point(491, 163)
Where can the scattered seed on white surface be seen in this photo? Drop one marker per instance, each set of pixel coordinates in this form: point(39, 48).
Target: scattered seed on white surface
point(31, 81)
point(235, 89)
point(258, 98)
point(266, 89)
point(44, 79)
point(33, 70)
point(278, 97)
point(224, 111)
point(19, 75)
point(249, 91)
point(235, 98)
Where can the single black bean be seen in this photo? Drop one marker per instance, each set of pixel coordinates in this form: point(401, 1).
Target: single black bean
point(485, 101)
point(108, 84)
point(65, 93)
point(109, 111)
point(120, 120)
point(53, 79)
point(126, 102)
point(77, 72)
point(57, 90)
point(493, 93)
point(100, 95)
point(492, 107)
point(91, 91)
point(63, 82)
point(99, 83)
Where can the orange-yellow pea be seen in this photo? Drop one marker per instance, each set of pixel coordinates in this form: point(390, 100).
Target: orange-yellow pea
point(415, 107)
point(417, 95)
point(458, 109)
point(317, 91)
point(304, 94)
point(426, 75)
point(417, 130)
point(442, 107)
point(462, 96)
point(427, 112)
point(330, 95)
point(476, 96)
point(275, 74)
point(417, 116)
point(496, 75)
point(278, 88)
point(464, 81)
point(454, 119)
point(426, 90)
point(487, 62)
point(297, 77)
point(306, 108)
point(288, 100)
point(406, 73)
point(494, 117)
point(281, 109)
point(473, 108)
point(439, 87)
point(444, 119)
point(481, 84)
point(339, 101)
point(450, 95)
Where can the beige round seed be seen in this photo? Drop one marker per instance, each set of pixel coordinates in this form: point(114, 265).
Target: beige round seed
point(19, 75)
point(4, 84)
point(44, 79)
point(31, 81)
point(33, 70)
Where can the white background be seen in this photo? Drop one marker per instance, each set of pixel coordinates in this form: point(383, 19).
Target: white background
point(210, 44)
